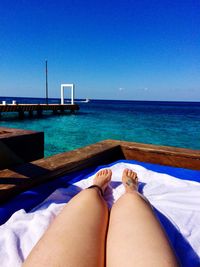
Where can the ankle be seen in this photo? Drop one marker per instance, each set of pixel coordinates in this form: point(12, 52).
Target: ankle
point(97, 188)
point(129, 189)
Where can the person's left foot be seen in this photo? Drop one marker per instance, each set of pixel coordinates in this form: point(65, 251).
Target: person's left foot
point(130, 180)
point(103, 178)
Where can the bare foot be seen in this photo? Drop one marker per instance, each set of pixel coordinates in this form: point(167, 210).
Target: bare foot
point(130, 180)
point(103, 178)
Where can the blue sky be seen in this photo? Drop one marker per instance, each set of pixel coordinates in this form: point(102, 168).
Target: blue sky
point(137, 50)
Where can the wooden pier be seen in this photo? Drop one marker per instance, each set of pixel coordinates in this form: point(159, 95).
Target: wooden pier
point(38, 108)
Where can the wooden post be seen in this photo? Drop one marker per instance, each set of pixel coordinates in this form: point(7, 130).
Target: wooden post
point(21, 115)
point(30, 113)
point(39, 112)
point(46, 82)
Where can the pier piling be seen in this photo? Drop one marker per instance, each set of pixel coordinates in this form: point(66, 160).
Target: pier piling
point(39, 112)
point(30, 113)
point(38, 108)
point(21, 115)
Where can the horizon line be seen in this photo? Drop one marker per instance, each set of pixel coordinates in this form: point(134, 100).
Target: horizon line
point(99, 99)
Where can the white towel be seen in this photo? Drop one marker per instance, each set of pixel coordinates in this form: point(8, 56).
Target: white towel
point(178, 200)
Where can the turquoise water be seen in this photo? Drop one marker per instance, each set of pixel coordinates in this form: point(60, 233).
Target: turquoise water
point(173, 124)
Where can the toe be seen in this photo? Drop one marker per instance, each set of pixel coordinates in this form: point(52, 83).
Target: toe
point(129, 173)
point(125, 172)
point(132, 174)
point(108, 172)
point(100, 173)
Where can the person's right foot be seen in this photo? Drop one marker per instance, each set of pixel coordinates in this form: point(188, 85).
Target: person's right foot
point(130, 180)
point(103, 178)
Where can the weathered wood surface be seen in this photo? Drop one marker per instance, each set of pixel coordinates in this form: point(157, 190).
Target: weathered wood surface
point(164, 155)
point(10, 132)
point(31, 174)
point(21, 178)
point(36, 107)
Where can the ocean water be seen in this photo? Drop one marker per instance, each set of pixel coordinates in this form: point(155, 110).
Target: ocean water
point(163, 123)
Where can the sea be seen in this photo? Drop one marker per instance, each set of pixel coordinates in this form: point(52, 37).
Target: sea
point(152, 122)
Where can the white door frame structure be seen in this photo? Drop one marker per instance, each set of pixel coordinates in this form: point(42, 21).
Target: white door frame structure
point(69, 86)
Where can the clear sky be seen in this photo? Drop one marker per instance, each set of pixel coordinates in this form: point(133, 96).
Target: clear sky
point(110, 49)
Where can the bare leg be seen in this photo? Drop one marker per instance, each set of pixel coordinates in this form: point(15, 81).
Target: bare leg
point(77, 236)
point(135, 237)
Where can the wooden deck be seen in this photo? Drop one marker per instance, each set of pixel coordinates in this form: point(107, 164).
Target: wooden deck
point(23, 177)
point(38, 108)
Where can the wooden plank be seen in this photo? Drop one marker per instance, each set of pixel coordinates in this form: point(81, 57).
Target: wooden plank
point(164, 155)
